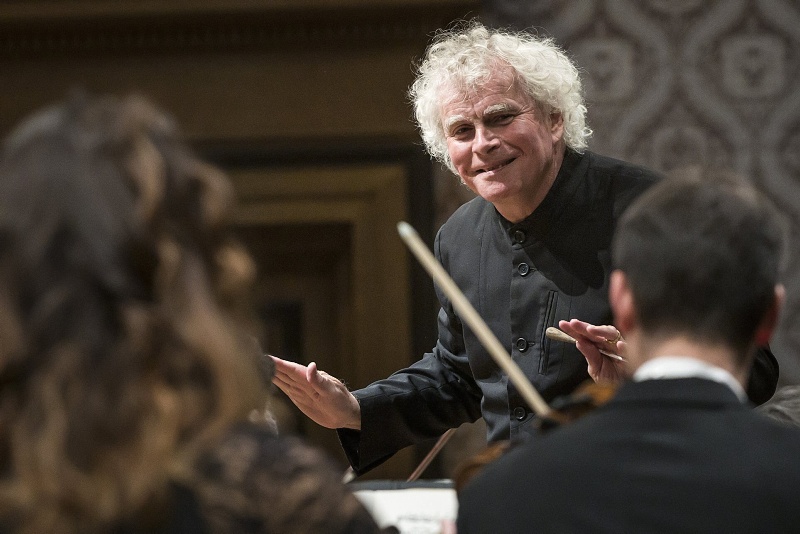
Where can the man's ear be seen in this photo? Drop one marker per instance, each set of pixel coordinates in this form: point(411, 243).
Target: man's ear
point(557, 126)
point(621, 300)
point(770, 320)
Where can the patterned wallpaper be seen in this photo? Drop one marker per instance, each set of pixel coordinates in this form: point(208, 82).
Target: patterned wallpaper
point(676, 82)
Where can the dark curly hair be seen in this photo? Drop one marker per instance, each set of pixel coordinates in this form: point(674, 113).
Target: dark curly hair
point(125, 336)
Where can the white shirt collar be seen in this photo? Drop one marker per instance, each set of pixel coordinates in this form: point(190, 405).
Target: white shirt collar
point(686, 367)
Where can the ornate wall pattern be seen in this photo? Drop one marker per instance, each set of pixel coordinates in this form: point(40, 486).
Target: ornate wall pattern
point(676, 82)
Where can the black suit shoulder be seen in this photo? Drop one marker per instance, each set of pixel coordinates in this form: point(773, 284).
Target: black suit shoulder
point(465, 220)
point(618, 180)
point(662, 445)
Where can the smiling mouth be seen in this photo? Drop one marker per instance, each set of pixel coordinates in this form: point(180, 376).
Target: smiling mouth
point(494, 167)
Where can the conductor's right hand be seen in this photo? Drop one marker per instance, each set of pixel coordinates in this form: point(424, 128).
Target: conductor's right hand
point(322, 397)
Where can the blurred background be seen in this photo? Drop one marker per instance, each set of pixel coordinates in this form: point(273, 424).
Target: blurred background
point(303, 103)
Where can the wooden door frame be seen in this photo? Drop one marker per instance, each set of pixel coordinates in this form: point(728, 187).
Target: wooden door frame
point(369, 185)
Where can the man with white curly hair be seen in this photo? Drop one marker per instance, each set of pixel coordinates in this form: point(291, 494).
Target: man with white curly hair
point(504, 111)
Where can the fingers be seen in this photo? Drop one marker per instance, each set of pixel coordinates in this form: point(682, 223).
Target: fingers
point(603, 334)
point(594, 359)
point(622, 348)
point(323, 398)
point(298, 380)
point(302, 384)
point(313, 376)
point(578, 329)
point(574, 327)
point(290, 388)
point(288, 371)
point(600, 346)
point(291, 373)
point(292, 379)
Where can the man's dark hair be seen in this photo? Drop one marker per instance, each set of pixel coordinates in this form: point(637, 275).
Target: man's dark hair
point(702, 251)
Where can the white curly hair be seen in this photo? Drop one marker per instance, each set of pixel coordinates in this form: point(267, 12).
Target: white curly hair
point(464, 58)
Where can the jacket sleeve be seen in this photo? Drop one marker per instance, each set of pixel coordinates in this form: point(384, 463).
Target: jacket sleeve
point(416, 403)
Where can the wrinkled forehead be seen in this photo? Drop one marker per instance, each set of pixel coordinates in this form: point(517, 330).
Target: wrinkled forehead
point(504, 82)
point(464, 83)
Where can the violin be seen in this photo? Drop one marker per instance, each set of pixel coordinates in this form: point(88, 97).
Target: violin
point(564, 410)
point(587, 397)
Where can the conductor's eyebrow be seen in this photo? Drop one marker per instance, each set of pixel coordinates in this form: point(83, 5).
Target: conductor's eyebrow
point(450, 121)
point(497, 108)
point(494, 109)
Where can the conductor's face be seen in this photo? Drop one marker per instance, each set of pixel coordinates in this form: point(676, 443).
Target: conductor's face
point(502, 146)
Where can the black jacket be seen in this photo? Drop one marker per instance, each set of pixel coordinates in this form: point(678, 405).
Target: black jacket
point(521, 278)
point(677, 455)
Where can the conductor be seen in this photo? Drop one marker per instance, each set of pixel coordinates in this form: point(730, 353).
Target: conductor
point(504, 111)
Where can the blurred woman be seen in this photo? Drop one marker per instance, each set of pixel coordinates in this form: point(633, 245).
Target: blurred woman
point(127, 359)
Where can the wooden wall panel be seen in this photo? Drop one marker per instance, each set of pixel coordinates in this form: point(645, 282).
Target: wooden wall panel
point(293, 97)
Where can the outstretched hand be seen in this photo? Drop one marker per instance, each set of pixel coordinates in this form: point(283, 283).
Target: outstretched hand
point(590, 340)
point(322, 397)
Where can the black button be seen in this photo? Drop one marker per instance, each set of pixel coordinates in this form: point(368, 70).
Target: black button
point(520, 413)
point(519, 236)
point(522, 344)
point(523, 269)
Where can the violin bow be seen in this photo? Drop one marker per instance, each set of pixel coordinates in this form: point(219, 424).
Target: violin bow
point(438, 446)
point(478, 326)
point(482, 331)
point(472, 319)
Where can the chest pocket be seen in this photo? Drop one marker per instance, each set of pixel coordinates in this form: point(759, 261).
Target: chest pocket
point(549, 320)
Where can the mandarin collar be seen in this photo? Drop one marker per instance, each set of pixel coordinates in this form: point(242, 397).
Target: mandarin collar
point(571, 174)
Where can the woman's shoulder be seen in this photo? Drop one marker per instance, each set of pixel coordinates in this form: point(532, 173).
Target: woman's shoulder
point(257, 481)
